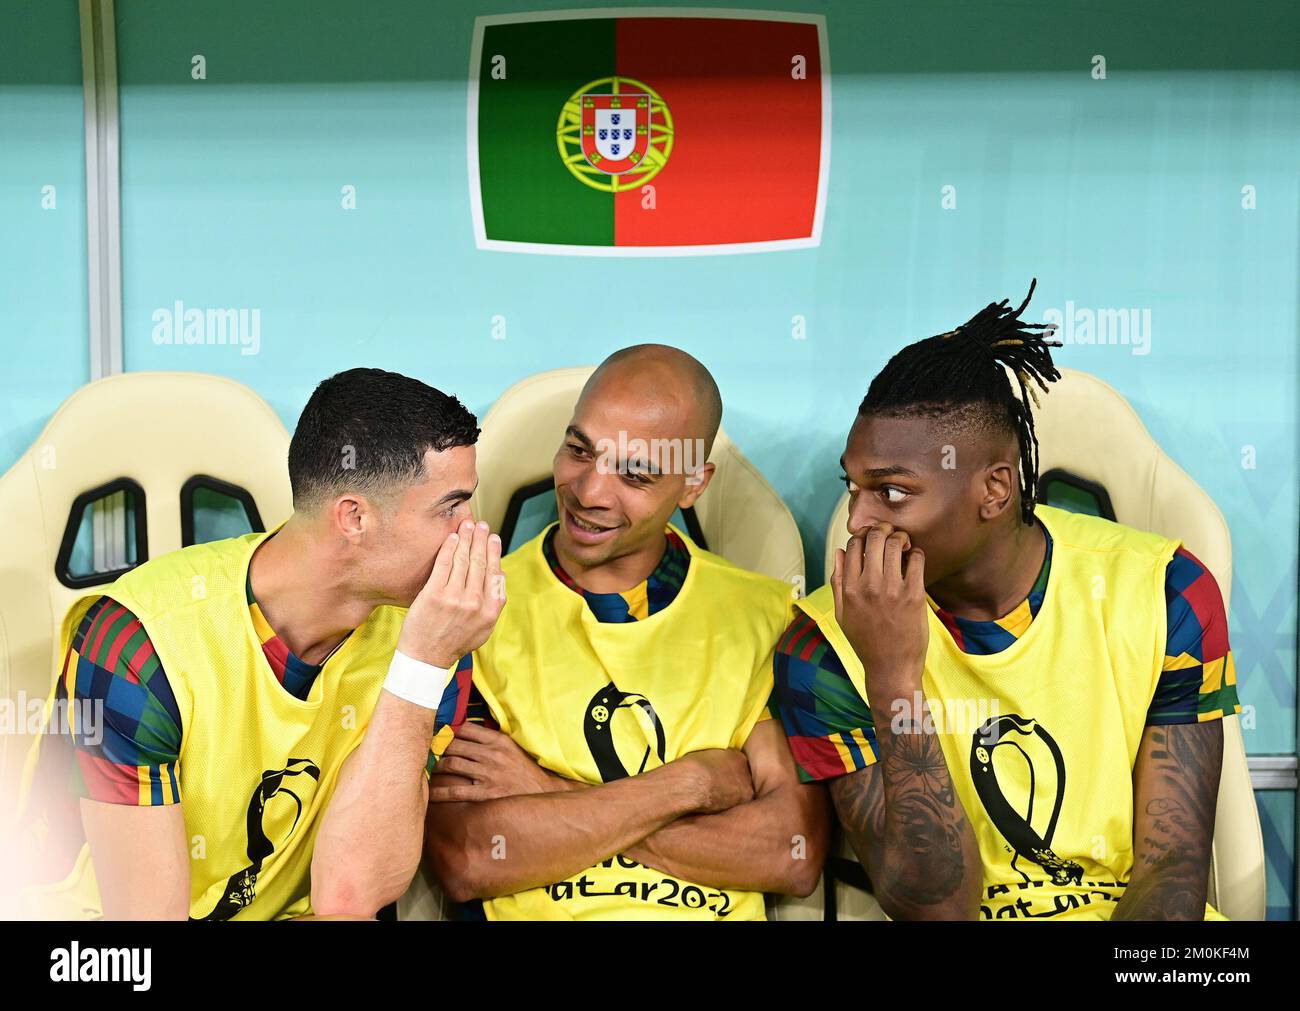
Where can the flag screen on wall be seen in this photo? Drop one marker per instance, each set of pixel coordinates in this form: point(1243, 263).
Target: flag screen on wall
point(664, 132)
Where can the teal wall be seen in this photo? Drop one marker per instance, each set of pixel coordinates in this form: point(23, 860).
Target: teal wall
point(1119, 193)
point(43, 299)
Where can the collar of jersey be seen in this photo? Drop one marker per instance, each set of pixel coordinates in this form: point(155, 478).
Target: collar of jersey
point(1022, 615)
point(659, 589)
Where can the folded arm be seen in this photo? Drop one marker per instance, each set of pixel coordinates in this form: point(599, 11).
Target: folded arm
point(484, 838)
point(774, 843)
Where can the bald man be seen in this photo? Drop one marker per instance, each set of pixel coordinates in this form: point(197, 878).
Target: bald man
point(618, 761)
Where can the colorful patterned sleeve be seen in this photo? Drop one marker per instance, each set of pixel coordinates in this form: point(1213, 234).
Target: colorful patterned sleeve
point(460, 702)
point(1199, 680)
point(128, 747)
point(828, 723)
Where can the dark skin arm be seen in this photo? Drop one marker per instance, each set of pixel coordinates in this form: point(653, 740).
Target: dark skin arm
point(1175, 789)
point(910, 831)
point(902, 813)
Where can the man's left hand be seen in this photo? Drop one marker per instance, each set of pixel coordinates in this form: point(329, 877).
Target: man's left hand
point(489, 765)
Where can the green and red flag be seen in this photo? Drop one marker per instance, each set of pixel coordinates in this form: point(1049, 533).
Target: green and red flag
point(648, 132)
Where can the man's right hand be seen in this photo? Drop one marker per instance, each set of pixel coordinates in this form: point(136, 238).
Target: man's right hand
point(879, 588)
point(455, 612)
point(724, 779)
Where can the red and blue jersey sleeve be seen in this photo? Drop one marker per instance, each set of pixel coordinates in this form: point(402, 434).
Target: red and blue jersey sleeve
point(127, 734)
point(828, 724)
point(1198, 681)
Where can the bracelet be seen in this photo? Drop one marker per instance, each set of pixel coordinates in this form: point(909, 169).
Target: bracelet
point(416, 681)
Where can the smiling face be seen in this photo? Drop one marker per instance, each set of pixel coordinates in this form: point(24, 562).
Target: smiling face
point(616, 493)
point(951, 488)
point(633, 453)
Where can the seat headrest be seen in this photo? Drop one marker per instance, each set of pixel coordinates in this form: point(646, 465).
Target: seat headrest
point(158, 429)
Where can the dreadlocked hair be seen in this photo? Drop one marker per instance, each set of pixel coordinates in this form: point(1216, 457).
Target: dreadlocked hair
point(962, 377)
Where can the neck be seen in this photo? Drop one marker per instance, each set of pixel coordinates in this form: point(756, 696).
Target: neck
point(303, 595)
point(997, 579)
point(615, 574)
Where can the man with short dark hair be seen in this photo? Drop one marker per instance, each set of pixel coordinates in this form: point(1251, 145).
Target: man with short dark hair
point(259, 726)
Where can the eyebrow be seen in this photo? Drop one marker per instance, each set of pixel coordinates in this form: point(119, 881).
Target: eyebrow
point(892, 471)
point(580, 435)
point(459, 495)
point(645, 468)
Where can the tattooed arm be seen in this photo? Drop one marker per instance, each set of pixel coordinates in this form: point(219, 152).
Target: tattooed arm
point(902, 814)
point(909, 829)
point(1175, 788)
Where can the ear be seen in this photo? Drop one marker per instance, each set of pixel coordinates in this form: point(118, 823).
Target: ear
point(999, 490)
point(351, 517)
point(695, 485)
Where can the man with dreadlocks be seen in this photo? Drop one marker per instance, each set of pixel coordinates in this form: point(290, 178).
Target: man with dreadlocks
point(1017, 707)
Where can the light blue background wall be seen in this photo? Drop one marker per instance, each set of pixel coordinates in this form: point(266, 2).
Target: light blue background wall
point(43, 299)
point(1119, 193)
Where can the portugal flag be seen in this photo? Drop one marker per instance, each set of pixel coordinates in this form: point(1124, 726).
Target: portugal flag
point(652, 132)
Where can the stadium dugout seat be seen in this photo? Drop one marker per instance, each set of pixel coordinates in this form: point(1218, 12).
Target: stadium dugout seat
point(129, 468)
point(740, 517)
point(1097, 456)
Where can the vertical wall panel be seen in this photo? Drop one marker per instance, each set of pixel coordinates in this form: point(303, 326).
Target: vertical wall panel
point(43, 300)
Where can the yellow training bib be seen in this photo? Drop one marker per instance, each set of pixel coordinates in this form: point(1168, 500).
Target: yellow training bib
point(257, 765)
point(595, 701)
point(1041, 739)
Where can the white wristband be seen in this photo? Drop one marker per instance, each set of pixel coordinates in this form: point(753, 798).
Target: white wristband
point(416, 681)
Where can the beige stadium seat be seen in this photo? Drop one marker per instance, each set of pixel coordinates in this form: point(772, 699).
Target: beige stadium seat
point(1087, 430)
point(740, 516)
point(159, 431)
